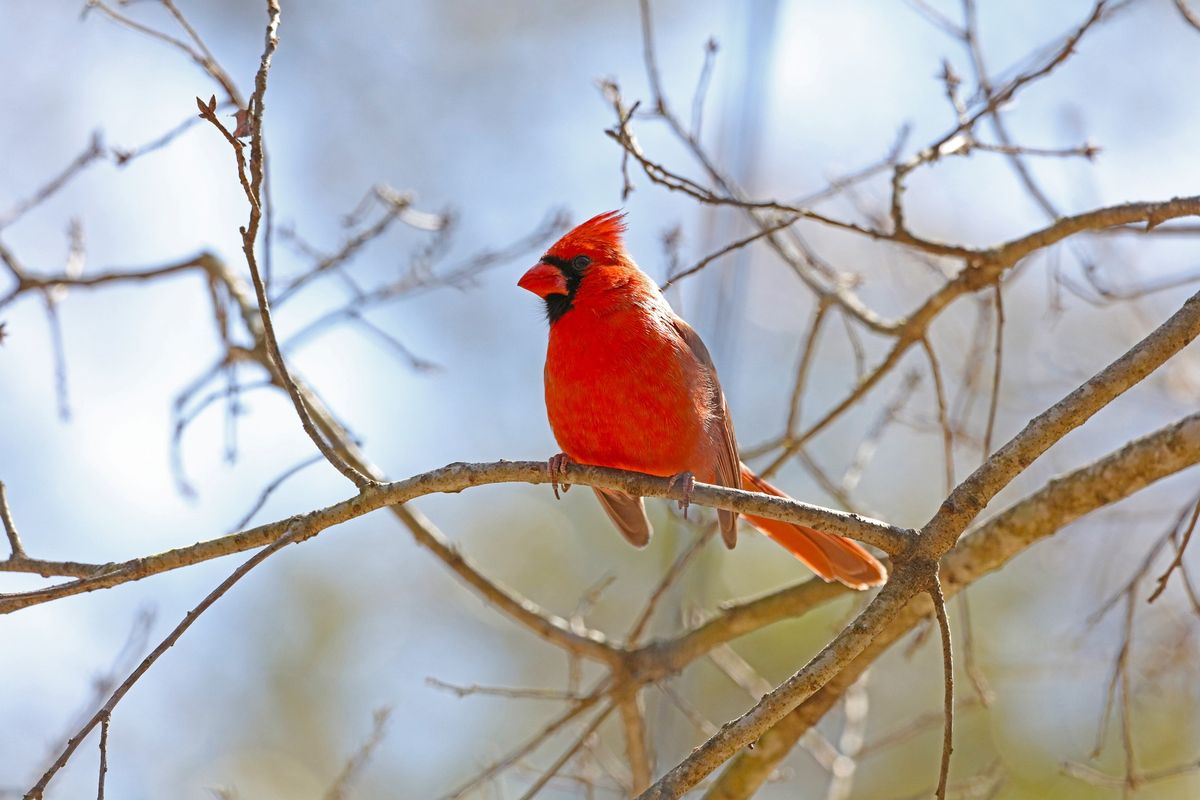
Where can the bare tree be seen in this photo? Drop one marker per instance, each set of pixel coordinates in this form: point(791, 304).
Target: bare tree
point(612, 674)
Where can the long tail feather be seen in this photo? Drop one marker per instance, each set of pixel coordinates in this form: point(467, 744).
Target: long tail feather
point(832, 557)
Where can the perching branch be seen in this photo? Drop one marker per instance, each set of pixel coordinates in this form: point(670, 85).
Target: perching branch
point(456, 478)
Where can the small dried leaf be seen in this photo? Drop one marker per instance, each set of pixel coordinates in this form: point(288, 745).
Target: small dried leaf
point(242, 123)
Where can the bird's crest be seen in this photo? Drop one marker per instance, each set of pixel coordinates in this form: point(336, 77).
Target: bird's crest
point(602, 234)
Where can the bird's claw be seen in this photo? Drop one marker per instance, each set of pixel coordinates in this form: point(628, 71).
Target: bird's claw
point(557, 467)
point(688, 481)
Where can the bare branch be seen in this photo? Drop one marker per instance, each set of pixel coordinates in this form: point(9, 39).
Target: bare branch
point(935, 539)
point(103, 756)
point(502, 691)
point(729, 248)
point(1176, 562)
point(997, 360)
point(10, 527)
point(973, 494)
point(60, 358)
point(356, 763)
point(123, 156)
point(270, 488)
point(536, 741)
point(870, 442)
point(939, 608)
point(943, 421)
point(1189, 16)
point(93, 152)
point(807, 352)
point(568, 754)
point(252, 185)
point(985, 548)
point(710, 59)
point(456, 478)
point(937, 18)
point(668, 580)
point(105, 712)
point(979, 682)
point(202, 57)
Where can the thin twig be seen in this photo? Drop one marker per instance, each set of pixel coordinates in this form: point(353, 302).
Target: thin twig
point(568, 754)
point(937, 18)
point(270, 488)
point(460, 476)
point(672, 574)
point(710, 58)
point(917, 725)
point(252, 185)
point(123, 156)
point(504, 691)
point(865, 452)
point(58, 347)
point(939, 608)
point(807, 353)
point(90, 154)
point(10, 527)
point(348, 250)
point(978, 680)
point(355, 764)
point(1189, 16)
point(202, 57)
point(939, 391)
point(103, 756)
point(705, 727)
point(1176, 562)
point(997, 359)
point(729, 248)
point(855, 707)
point(534, 742)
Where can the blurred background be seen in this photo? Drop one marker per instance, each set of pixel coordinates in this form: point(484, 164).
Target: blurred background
point(491, 112)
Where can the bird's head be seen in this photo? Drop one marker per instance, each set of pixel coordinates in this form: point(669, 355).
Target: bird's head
point(586, 250)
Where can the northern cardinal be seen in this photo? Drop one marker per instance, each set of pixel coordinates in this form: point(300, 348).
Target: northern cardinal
point(629, 385)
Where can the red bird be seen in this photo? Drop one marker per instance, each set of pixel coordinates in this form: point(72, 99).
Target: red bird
point(629, 385)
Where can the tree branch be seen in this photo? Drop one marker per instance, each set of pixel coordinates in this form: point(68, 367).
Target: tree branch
point(10, 527)
point(974, 493)
point(986, 548)
point(934, 540)
point(455, 478)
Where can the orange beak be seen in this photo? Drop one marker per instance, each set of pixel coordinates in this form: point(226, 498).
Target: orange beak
point(544, 280)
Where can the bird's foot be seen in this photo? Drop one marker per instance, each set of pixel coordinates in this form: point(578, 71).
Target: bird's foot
point(557, 467)
point(688, 481)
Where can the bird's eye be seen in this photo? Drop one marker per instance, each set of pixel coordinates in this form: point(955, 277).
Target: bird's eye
point(581, 262)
